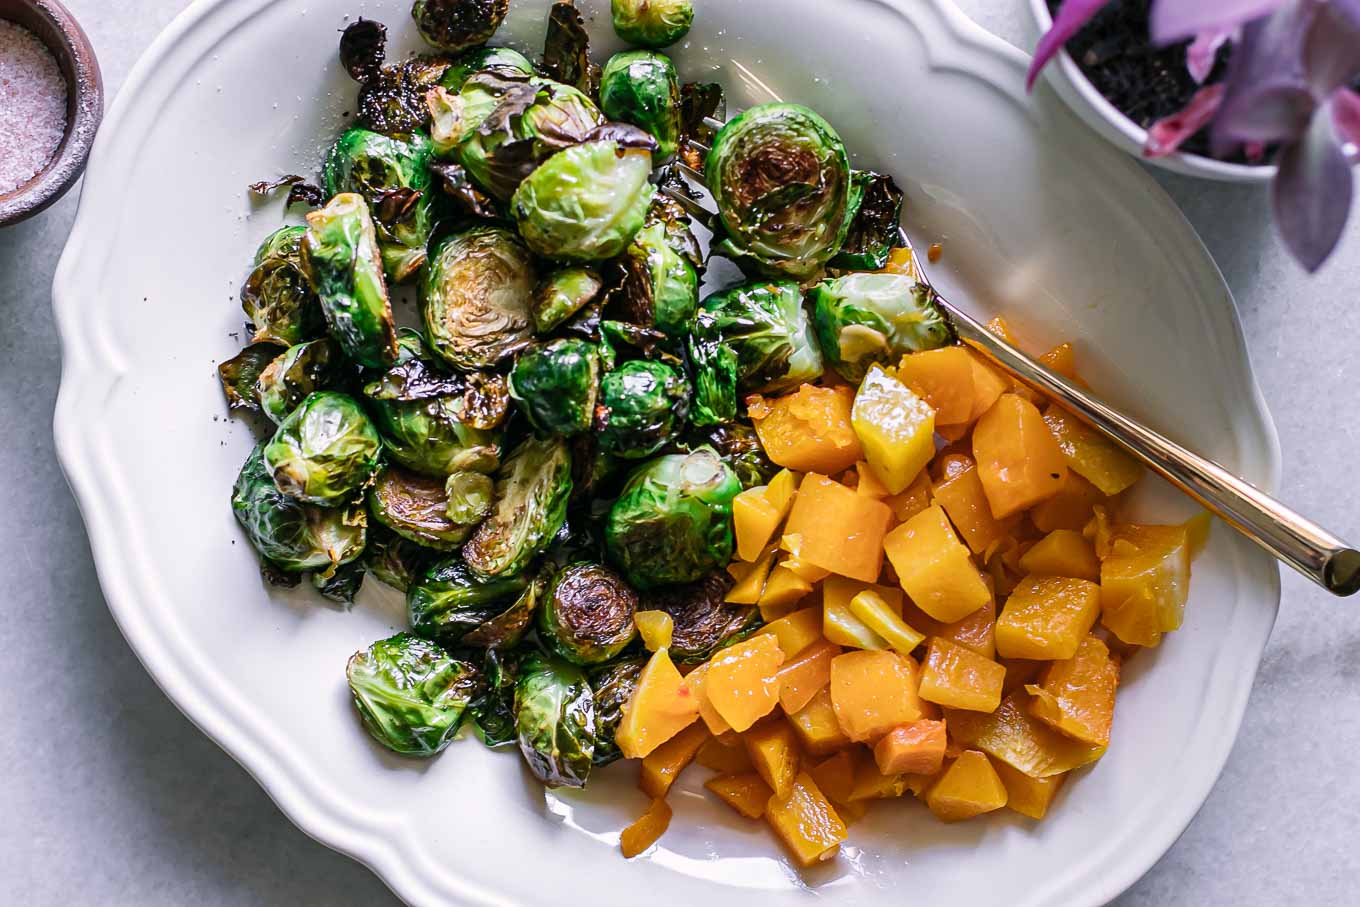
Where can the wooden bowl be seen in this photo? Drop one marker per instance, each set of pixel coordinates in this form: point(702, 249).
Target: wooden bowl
point(56, 28)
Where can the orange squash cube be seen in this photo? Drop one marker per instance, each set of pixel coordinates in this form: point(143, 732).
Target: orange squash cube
point(806, 675)
point(868, 484)
point(1144, 582)
point(806, 822)
point(784, 589)
point(746, 793)
point(916, 498)
point(988, 384)
point(837, 529)
point(963, 499)
point(1063, 552)
point(875, 613)
point(1047, 617)
point(754, 521)
point(1092, 455)
point(645, 832)
point(871, 784)
point(944, 378)
point(664, 764)
point(916, 748)
point(977, 631)
point(835, 776)
point(773, 749)
point(1018, 459)
point(1025, 795)
point(959, 678)
point(873, 692)
point(1014, 736)
point(808, 430)
point(743, 681)
point(1071, 508)
point(655, 628)
point(968, 788)
point(750, 578)
point(817, 728)
point(1076, 695)
point(661, 707)
point(934, 567)
point(1063, 360)
point(695, 682)
point(796, 631)
point(1019, 672)
point(896, 429)
point(841, 626)
point(723, 757)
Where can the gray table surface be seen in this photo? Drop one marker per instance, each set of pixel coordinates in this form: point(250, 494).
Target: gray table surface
point(108, 795)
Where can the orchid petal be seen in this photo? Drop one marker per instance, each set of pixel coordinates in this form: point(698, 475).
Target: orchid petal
point(1266, 94)
point(1312, 194)
point(1070, 18)
point(1177, 20)
point(1166, 135)
point(1331, 51)
point(1345, 107)
point(1202, 53)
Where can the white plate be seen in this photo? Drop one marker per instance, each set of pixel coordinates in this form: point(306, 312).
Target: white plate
point(1040, 220)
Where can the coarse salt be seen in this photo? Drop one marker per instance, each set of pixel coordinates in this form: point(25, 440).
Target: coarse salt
point(32, 106)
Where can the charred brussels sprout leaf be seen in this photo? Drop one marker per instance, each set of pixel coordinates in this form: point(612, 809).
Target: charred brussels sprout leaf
point(587, 614)
point(673, 521)
point(240, 373)
point(295, 374)
point(483, 398)
point(876, 212)
point(504, 61)
point(699, 102)
point(556, 386)
point(395, 561)
point(585, 203)
point(454, 25)
point(325, 451)
point(703, 621)
point(363, 49)
point(450, 603)
point(613, 686)
point(430, 421)
point(416, 507)
point(739, 446)
point(342, 586)
point(533, 486)
point(660, 287)
point(477, 293)
point(652, 23)
point(494, 710)
point(566, 50)
point(470, 497)
point(864, 319)
point(555, 721)
point(411, 694)
point(562, 294)
point(290, 535)
point(341, 259)
point(393, 101)
point(277, 297)
point(781, 179)
point(642, 407)
point(641, 87)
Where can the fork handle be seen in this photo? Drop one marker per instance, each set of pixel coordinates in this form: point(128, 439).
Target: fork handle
point(1290, 537)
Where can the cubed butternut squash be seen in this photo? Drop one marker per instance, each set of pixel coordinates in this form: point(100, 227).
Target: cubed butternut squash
point(806, 822)
point(868, 484)
point(661, 707)
point(1025, 795)
point(968, 788)
point(1018, 459)
point(1071, 508)
point(746, 793)
point(696, 682)
point(961, 495)
point(754, 522)
point(645, 832)
point(1144, 582)
point(1013, 735)
point(873, 692)
point(723, 757)
point(1091, 455)
point(835, 776)
point(837, 529)
point(875, 613)
point(664, 764)
point(808, 430)
point(743, 681)
point(1063, 360)
point(796, 631)
point(655, 628)
point(781, 489)
point(916, 498)
point(988, 384)
point(801, 568)
point(1063, 552)
point(1047, 617)
point(872, 784)
point(817, 728)
point(841, 626)
point(784, 589)
point(934, 567)
point(773, 749)
point(977, 631)
point(1076, 695)
point(944, 379)
point(915, 748)
point(806, 675)
point(959, 678)
point(896, 429)
point(750, 578)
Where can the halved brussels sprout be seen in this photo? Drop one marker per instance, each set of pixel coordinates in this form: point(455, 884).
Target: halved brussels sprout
point(240, 373)
point(477, 293)
point(452, 605)
point(471, 496)
point(277, 298)
point(642, 407)
point(289, 535)
point(556, 386)
point(393, 175)
point(703, 621)
point(343, 585)
point(562, 294)
point(295, 374)
point(752, 338)
point(415, 506)
point(613, 686)
point(505, 61)
point(341, 259)
point(587, 614)
point(430, 421)
point(673, 521)
point(864, 319)
point(392, 101)
point(781, 179)
point(395, 561)
point(875, 216)
point(533, 486)
point(555, 721)
point(585, 203)
point(739, 446)
point(652, 23)
point(660, 287)
point(411, 694)
point(325, 451)
point(641, 87)
point(494, 711)
point(454, 25)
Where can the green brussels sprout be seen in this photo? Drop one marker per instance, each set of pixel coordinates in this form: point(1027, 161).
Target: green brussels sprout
point(393, 175)
point(494, 711)
point(660, 287)
point(739, 446)
point(781, 180)
point(395, 561)
point(555, 721)
point(415, 506)
point(295, 374)
point(703, 621)
point(451, 605)
point(862, 319)
point(673, 521)
point(556, 386)
point(392, 100)
point(587, 614)
point(240, 373)
point(288, 534)
point(585, 203)
point(454, 25)
point(613, 686)
point(470, 497)
point(642, 407)
point(752, 338)
point(411, 694)
point(591, 468)
point(476, 297)
point(641, 87)
point(277, 298)
point(341, 259)
point(652, 23)
point(533, 486)
point(505, 61)
point(435, 423)
point(562, 294)
point(875, 217)
point(325, 451)
point(343, 585)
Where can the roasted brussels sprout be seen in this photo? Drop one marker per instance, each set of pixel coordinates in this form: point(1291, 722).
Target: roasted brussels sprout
point(393, 175)
point(862, 319)
point(562, 294)
point(436, 423)
point(781, 179)
point(343, 585)
point(533, 486)
point(341, 259)
point(392, 101)
point(494, 710)
point(416, 506)
point(363, 48)
point(585, 203)
point(411, 694)
point(289, 535)
point(477, 293)
point(470, 496)
point(566, 49)
point(703, 621)
point(652, 23)
point(739, 446)
point(239, 375)
point(875, 216)
point(587, 614)
point(752, 338)
point(556, 386)
point(395, 561)
point(700, 102)
point(660, 287)
point(641, 87)
point(325, 451)
point(642, 406)
point(277, 298)
point(613, 686)
point(555, 721)
point(673, 521)
point(451, 605)
point(505, 61)
point(454, 25)
point(296, 373)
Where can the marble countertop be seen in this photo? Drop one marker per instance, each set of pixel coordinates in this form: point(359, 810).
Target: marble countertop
point(110, 796)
